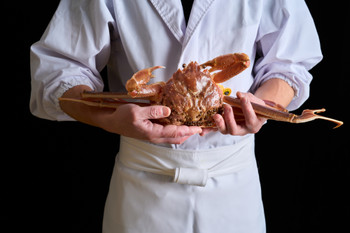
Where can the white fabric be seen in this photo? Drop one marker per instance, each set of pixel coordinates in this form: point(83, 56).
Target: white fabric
point(191, 176)
point(186, 166)
point(140, 201)
point(84, 36)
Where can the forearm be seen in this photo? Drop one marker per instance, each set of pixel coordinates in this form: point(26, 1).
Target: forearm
point(128, 120)
point(276, 90)
point(81, 112)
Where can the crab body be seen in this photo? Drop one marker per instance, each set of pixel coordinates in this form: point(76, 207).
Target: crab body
point(191, 93)
point(193, 97)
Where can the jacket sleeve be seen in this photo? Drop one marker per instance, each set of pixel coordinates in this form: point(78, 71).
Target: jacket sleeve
point(288, 46)
point(72, 51)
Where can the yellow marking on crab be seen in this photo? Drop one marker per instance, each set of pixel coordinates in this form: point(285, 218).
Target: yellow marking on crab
point(225, 90)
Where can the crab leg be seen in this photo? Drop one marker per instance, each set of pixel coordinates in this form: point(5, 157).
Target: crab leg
point(310, 115)
point(282, 115)
point(104, 99)
point(229, 66)
point(110, 95)
point(274, 112)
point(101, 103)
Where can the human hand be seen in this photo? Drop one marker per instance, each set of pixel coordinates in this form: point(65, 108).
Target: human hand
point(134, 121)
point(227, 124)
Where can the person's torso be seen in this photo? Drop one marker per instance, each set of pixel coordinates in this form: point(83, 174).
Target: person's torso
point(151, 33)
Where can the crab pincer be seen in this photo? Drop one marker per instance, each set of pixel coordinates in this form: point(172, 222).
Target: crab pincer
point(229, 65)
point(137, 85)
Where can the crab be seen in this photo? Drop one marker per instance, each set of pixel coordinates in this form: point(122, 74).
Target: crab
point(194, 94)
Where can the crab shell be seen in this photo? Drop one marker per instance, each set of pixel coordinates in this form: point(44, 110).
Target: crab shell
point(193, 97)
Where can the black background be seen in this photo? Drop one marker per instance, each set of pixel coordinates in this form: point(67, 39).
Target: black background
point(60, 171)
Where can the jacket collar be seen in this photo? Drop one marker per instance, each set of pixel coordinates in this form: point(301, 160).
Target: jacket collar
point(199, 9)
point(171, 12)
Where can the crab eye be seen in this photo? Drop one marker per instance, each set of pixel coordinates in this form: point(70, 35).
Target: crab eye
point(227, 91)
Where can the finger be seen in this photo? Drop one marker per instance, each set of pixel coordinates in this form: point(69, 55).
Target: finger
point(154, 112)
point(171, 133)
point(205, 131)
point(171, 140)
point(230, 122)
point(220, 123)
point(232, 127)
point(252, 123)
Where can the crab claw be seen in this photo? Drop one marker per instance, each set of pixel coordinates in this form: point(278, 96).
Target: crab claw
point(137, 84)
point(309, 115)
point(229, 64)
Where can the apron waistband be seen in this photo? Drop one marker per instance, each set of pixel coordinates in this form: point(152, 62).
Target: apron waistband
point(192, 167)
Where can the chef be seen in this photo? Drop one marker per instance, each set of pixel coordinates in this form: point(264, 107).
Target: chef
point(176, 178)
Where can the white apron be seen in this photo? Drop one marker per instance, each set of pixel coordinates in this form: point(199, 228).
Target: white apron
point(157, 189)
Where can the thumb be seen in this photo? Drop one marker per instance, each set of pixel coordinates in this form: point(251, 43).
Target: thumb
point(155, 112)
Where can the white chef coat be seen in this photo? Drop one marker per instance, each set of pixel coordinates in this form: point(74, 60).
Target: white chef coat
point(84, 36)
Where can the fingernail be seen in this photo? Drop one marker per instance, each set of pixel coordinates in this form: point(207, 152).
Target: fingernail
point(166, 111)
